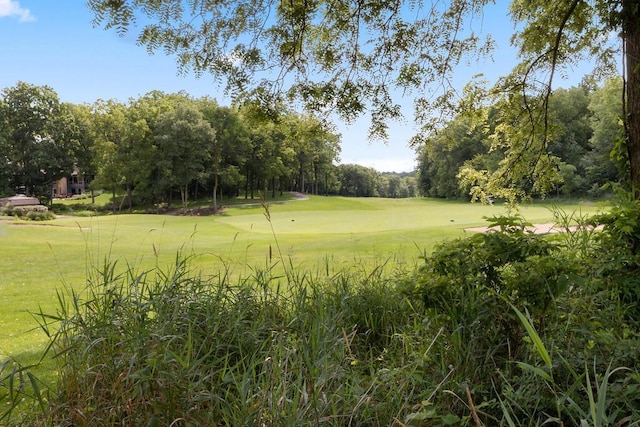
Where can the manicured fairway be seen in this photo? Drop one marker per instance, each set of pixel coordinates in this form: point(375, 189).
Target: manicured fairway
point(323, 234)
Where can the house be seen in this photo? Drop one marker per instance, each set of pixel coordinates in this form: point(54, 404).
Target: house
point(69, 186)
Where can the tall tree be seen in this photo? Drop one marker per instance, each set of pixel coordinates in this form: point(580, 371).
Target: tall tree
point(441, 156)
point(185, 140)
point(570, 116)
point(85, 136)
point(358, 181)
point(351, 57)
point(325, 150)
point(607, 160)
point(39, 138)
point(108, 170)
point(570, 119)
point(229, 149)
point(5, 163)
point(315, 147)
point(264, 163)
point(124, 138)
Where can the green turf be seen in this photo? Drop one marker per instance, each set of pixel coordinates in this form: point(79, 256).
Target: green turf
point(323, 233)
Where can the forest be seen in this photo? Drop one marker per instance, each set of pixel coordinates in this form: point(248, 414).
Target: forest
point(585, 148)
point(165, 149)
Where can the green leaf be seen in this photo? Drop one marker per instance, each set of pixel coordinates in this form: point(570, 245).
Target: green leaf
point(507, 413)
point(534, 369)
point(533, 334)
point(450, 419)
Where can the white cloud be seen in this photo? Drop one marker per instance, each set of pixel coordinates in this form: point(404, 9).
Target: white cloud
point(13, 8)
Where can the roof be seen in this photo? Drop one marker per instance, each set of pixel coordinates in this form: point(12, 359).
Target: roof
point(19, 200)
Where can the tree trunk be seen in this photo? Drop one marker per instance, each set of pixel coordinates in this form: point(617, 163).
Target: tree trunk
point(246, 185)
point(129, 198)
point(315, 179)
point(326, 186)
point(252, 185)
point(273, 187)
point(301, 179)
point(184, 195)
point(215, 193)
point(631, 35)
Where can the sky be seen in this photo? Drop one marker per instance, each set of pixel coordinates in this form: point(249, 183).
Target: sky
point(52, 42)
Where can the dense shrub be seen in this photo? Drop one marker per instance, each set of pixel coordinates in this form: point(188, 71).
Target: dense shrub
point(33, 213)
point(471, 288)
point(40, 216)
point(469, 283)
point(80, 209)
point(17, 211)
point(617, 266)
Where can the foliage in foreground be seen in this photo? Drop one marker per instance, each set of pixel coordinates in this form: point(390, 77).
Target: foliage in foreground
point(577, 342)
point(504, 328)
point(172, 347)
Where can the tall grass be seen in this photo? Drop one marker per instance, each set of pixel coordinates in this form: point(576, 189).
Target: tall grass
point(173, 348)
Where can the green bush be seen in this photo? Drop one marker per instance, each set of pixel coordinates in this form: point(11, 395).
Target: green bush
point(17, 212)
point(36, 213)
point(60, 207)
point(40, 216)
point(470, 282)
point(469, 288)
point(617, 263)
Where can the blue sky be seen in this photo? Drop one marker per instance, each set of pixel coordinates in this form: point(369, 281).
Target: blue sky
point(52, 42)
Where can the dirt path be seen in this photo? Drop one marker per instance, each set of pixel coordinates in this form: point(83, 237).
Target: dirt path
point(299, 196)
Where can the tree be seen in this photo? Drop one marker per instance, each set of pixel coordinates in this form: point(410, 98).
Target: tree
point(124, 137)
point(39, 139)
point(397, 187)
point(357, 181)
point(570, 115)
point(441, 157)
point(607, 160)
point(352, 57)
point(314, 146)
point(185, 140)
point(85, 137)
point(108, 171)
point(5, 165)
point(229, 149)
point(264, 162)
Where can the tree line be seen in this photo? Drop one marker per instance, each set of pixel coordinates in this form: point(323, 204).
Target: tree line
point(169, 148)
point(586, 147)
point(163, 149)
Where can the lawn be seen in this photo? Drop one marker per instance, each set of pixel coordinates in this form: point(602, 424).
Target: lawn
point(323, 234)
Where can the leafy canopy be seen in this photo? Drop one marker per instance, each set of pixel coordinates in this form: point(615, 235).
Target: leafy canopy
point(337, 55)
point(354, 57)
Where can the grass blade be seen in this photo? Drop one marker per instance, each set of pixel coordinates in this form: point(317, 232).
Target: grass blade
point(533, 334)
